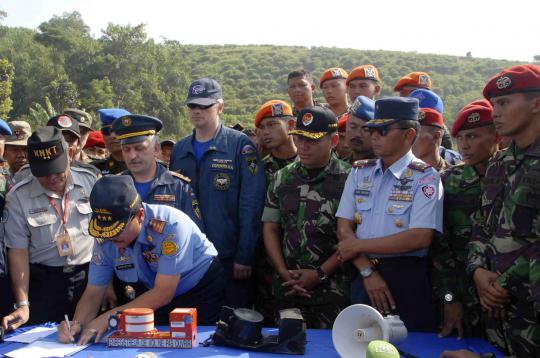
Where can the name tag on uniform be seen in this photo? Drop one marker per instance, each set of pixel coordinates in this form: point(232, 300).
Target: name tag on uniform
point(125, 266)
point(164, 197)
point(362, 192)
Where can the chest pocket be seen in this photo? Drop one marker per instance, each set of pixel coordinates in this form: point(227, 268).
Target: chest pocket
point(42, 228)
point(398, 215)
point(526, 197)
point(84, 210)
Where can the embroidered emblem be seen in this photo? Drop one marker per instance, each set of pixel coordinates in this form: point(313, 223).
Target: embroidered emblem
point(157, 225)
point(222, 181)
point(429, 191)
point(503, 82)
point(307, 118)
point(473, 117)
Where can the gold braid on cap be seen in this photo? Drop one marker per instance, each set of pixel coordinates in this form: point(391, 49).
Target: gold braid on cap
point(136, 134)
point(106, 232)
point(134, 202)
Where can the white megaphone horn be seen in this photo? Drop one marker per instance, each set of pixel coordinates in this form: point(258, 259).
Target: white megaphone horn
point(357, 325)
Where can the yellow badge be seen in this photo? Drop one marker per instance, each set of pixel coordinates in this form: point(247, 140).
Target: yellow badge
point(359, 200)
point(157, 225)
point(358, 218)
point(168, 248)
point(390, 210)
point(408, 173)
point(398, 223)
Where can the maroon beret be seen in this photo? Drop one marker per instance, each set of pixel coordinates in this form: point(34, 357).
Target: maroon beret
point(516, 79)
point(472, 116)
point(430, 117)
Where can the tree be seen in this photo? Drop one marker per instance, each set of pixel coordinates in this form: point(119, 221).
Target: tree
point(62, 93)
point(6, 78)
point(39, 115)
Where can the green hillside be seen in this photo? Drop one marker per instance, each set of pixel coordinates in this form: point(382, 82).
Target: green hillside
point(123, 67)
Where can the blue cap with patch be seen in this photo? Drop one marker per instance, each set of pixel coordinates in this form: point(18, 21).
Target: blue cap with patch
point(135, 128)
point(394, 109)
point(108, 115)
point(428, 99)
point(363, 108)
point(204, 92)
point(4, 128)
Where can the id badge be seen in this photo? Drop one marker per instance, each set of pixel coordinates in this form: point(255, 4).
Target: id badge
point(64, 245)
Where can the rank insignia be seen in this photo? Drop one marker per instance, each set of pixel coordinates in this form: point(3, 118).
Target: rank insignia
point(164, 197)
point(408, 173)
point(252, 164)
point(196, 208)
point(360, 200)
point(168, 248)
point(358, 218)
point(157, 225)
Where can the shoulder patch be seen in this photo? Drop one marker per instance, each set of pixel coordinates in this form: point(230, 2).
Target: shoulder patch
point(419, 166)
point(364, 163)
point(180, 176)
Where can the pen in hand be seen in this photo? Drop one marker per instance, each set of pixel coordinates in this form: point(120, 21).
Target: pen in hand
point(69, 328)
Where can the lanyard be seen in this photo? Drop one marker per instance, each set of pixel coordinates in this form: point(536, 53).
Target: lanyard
point(64, 217)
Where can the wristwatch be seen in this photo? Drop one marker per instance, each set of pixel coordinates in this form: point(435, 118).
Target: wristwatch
point(448, 297)
point(322, 275)
point(20, 304)
point(367, 271)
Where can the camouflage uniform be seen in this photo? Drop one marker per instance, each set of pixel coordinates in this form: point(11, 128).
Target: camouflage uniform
point(505, 236)
point(265, 301)
point(109, 165)
point(305, 209)
point(449, 251)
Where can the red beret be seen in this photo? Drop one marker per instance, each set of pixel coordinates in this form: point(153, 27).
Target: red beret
point(365, 72)
point(516, 79)
point(430, 117)
point(472, 116)
point(416, 79)
point(95, 138)
point(342, 122)
point(333, 73)
point(479, 102)
point(273, 108)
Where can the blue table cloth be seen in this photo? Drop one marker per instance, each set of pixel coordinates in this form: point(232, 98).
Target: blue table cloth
point(319, 344)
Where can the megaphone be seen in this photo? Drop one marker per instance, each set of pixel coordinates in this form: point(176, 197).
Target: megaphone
point(357, 325)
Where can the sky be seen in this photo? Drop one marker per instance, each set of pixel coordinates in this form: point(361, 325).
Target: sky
point(501, 29)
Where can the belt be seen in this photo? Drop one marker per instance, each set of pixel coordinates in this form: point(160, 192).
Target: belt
point(67, 269)
point(398, 260)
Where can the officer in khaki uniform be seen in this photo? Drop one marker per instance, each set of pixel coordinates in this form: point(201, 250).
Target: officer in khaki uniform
point(15, 149)
point(46, 232)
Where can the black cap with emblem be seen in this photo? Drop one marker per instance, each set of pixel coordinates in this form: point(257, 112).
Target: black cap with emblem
point(65, 123)
point(314, 122)
point(135, 128)
point(47, 152)
point(114, 200)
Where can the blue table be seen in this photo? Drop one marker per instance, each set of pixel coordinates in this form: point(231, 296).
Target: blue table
point(319, 344)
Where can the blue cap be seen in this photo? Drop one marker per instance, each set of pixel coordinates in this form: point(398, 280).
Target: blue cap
point(135, 128)
point(363, 108)
point(205, 92)
point(108, 115)
point(428, 99)
point(4, 128)
point(394, 109)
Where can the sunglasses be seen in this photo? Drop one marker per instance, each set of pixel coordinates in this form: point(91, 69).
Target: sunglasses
point(383, 131)
point(199, 106)
point(106, 130)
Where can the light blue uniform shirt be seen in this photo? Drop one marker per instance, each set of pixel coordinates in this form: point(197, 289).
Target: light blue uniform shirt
point(176, 248)
point(403, 197)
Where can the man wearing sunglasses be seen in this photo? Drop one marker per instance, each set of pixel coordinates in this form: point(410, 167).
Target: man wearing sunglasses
point(388, 215)
point(114, 164)
point(155, 248)
point(227, 175)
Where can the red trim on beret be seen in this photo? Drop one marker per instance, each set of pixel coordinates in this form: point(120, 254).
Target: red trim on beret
point(515, 79)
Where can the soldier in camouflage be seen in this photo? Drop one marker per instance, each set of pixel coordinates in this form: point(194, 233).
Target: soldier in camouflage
point(429, 140)
point(300, 225)
point(452, 288)
point(114, 164)
point(503, 252)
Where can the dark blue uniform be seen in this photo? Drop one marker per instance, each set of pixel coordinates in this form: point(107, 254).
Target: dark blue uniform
point(229, 182)
point(173, 189)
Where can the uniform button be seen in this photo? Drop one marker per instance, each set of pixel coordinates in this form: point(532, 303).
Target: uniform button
point(358, 218)
point(398, 223)
point(390, 210)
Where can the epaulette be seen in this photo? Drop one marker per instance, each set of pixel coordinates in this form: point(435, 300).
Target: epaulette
point(180, 176)
point(22, 182)
point(86, 168)
point(364, 163)
point(419, 166)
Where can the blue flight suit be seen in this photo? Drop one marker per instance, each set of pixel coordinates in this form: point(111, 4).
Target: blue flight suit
point(169, 244)
point(173, 189)
point(407, 195)
point(229, 182)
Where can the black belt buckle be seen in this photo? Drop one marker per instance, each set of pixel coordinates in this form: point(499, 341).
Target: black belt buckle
point(68, 268)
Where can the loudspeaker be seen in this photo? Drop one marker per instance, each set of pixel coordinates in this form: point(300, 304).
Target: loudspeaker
point(357, 325)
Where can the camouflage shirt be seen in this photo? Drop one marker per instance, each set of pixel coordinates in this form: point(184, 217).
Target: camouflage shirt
point(505, 237)
point(273, 164)
point(109, 165)
point(305, 208)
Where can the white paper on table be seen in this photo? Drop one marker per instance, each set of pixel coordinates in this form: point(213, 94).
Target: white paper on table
point(40, 349)
point(32, 335)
